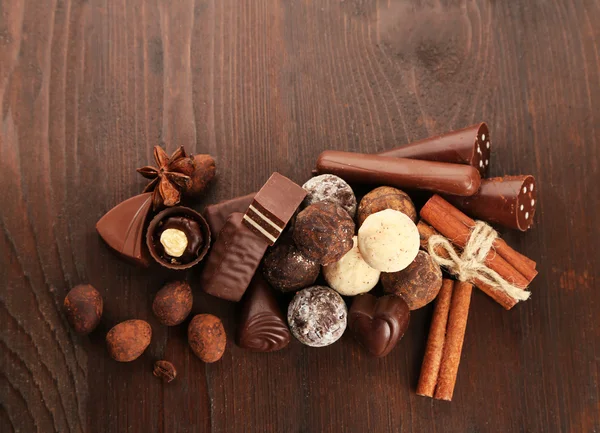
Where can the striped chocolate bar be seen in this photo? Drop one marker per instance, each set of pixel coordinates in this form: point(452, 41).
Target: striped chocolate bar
point(273, 207)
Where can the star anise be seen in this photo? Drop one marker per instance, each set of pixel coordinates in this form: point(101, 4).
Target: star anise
point(170, 177)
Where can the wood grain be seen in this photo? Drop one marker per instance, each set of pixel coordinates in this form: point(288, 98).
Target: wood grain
point(88, 87)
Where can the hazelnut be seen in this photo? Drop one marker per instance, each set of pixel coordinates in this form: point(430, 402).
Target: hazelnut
point(204, 172)
point(286, 269)
point(83, 308)
point(206, 337)
point(323, 232)
point(173, 303)
point(418, 284)
point(386, 197)
point(128, 340)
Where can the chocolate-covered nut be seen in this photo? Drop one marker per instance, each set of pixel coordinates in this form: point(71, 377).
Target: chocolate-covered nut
point(203, 172)
point(418, 284)
point(332, 188)
point(178, 237)
point(83, 308)
point(128, 340)
point(388, 240)
point(323, 232)
point(378, 324)
point(317, 316)
point(351, 275)
point(206, 337)
point(386, 197)
point(173, 303)
point(286, 269)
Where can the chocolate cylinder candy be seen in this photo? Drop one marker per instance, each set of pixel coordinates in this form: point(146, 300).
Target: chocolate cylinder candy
point(508, 201)
point(438, 177)
point(470, 146)
point(273, 206)
point(217, 214)
point(122, 228)
point(262, 326)
point(233, 260)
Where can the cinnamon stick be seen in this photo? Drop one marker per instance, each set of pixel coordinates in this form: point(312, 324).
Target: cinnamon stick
point(455, 335)
point(426, 231)
point(456, 226)
point(435, 342)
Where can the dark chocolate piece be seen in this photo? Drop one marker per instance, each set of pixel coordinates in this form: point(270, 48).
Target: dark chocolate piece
point(262, 326)
point(508, 201)
point(438, 177)
point(122, 228)
point(217, 214)
point(273, 206)
point(470, 146)
point(378, 324)
point(233, 260)
point(187, 222)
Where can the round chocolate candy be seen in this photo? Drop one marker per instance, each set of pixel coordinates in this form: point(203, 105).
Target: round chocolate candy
point(317, 316)
point(286, 269)
point(351, 275)
point(332, 188)
point(388, 240)
point(385, 197)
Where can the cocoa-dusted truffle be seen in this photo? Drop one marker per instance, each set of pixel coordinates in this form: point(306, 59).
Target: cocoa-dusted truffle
point(386, 197)
point(323, 232)
point(418, 284)
point(332, 188)
point(173, 303)
point(128, 340)
point(83, 307)
point(206, 337)
point(286, 269)
point(317, 316)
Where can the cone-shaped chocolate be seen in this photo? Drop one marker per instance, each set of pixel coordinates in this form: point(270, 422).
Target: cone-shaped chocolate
point(508, 201)
point(122, 228)
point(470, 145)
point(439, 177)
point(262, 326)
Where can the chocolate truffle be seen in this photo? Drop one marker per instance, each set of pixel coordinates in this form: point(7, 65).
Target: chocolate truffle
point(207, 338)
point(351, 275)
point(418, 284)
point(286, 269)
point(173, 303)
point(386, 197)
point(317, 316)
point(83, 307)
point(178, 237)
point(332, 188)
point(323, 232)
point(388, 240)
point(127, 340)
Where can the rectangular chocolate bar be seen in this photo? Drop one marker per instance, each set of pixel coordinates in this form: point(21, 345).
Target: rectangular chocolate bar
point(217, 214)
point(233, 260)
point(508, 201)
point(439, 177)
point(470, 145)
point(273, 206)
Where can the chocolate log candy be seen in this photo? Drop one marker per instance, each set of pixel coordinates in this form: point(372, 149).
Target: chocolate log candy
point(470, 145)
point(262, 326)
point(378, 324)
point(217, 214)
point(233, 260)
point(273, 207)
point(438, 177)
point(122, 228)
point(508, 201)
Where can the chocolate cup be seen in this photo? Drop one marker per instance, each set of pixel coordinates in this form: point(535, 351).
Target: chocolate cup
point(151, 241)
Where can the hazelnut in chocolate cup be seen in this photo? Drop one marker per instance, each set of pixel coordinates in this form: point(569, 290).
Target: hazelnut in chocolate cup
point(178, 238)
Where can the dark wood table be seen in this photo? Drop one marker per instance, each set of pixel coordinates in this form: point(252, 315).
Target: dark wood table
point(88, 87)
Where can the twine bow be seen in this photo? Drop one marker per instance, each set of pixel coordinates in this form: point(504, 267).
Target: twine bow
point(470, 264)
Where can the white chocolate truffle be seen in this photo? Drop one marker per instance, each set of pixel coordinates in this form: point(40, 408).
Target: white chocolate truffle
point(351, 275)
point(174, 242)
point(388, 240)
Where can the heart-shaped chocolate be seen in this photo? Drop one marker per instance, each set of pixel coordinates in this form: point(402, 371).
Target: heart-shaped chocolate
point(378, 324)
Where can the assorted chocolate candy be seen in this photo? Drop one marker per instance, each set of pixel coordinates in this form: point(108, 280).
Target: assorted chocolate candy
point(286, 238)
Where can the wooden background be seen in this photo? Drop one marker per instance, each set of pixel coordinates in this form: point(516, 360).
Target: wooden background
point(88, 87)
